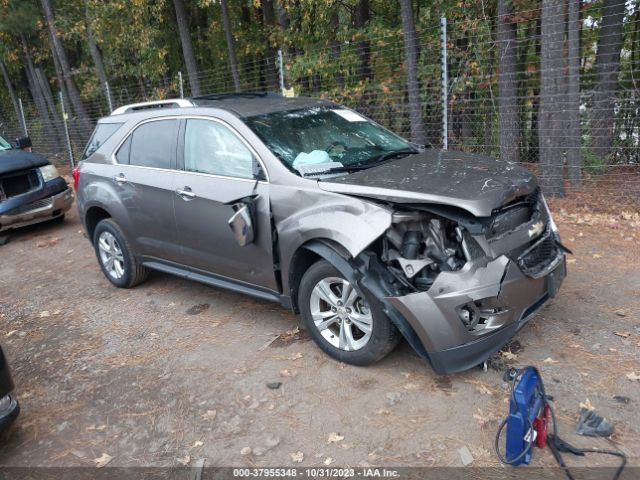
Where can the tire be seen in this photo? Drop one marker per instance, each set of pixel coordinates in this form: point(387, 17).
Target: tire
point(367, 342)
point(110, 243)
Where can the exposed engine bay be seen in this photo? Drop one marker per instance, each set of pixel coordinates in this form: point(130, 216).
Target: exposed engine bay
point(419, 246)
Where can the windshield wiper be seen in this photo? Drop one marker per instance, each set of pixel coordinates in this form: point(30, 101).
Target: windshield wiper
point(317, 170)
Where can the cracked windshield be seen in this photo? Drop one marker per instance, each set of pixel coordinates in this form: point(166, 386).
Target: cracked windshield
point(325, 137)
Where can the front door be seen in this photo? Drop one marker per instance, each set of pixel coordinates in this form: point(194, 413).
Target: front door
point(220, 173)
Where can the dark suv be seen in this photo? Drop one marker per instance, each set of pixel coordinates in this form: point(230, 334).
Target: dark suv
point(31, 190)
point(310, 204)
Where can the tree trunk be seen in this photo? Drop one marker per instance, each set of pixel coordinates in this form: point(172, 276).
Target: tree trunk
point(94, 50)
point(336, 49)
point(269, 63)
point(507, 82)
point(11, 90)
point(72, 90)
point(233, 63)
point(606, 77)
point(551, 87)
point(360, 19)
point(573, 139)
point(187, 48)
point(48, 127)
point(411, 60)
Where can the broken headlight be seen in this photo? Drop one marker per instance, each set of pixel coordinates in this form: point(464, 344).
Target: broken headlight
point(49, 172)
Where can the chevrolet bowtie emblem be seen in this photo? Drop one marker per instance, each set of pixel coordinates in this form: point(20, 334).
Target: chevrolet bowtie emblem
point(536, 229)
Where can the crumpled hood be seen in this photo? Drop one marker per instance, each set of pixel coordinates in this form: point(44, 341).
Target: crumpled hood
point(15, 160)
point(472, 182)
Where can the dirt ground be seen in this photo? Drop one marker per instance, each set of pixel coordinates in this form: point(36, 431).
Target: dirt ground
point(173, 371)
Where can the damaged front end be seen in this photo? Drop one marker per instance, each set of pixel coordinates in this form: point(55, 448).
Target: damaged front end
point(460, 285)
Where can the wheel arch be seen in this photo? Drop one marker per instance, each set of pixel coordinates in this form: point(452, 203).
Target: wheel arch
point(92, 217)
point(308, 254)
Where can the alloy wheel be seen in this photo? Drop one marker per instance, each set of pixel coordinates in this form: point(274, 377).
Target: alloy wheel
point(341, 314)
point(111, 255)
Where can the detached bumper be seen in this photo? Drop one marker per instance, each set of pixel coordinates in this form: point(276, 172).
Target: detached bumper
point(36, 211)
point(497, 296)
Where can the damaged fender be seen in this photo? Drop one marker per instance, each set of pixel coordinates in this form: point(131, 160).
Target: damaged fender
point(352, 223)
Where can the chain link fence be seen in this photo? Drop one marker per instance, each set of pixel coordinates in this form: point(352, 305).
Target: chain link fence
point(462, 68)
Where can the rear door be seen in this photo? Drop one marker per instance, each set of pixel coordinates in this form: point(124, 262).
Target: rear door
point(217, 169)
point(143, 178)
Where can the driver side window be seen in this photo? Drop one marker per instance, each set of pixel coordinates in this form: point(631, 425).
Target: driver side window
point(210, 147)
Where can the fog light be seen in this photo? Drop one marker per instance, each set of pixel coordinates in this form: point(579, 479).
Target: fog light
point(467, 316)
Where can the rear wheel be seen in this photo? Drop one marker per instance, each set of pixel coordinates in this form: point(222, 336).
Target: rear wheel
point(341, 319)
point(116, 260)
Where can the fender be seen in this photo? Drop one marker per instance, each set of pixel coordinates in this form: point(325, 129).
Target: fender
point(350, 222)
point(357, 272)
point(103, 196)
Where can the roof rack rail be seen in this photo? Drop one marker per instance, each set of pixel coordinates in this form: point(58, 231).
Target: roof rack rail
point(171, 103)
point(224, 95)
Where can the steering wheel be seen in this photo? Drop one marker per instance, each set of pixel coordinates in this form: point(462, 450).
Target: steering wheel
point(334, 145)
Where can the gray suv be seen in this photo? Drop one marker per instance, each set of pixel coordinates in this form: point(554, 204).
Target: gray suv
point(311, 205)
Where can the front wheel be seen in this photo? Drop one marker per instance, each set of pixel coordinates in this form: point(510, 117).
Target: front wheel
point(341, 320)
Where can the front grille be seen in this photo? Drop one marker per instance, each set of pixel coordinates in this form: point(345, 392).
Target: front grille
point(43, 203)
point(539, 256)
point(18, 183)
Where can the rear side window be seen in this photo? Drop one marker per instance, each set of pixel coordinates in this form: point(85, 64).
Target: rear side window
point(101, 134)
point(150, 145)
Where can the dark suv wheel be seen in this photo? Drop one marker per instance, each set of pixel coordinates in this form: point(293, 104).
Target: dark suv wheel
point(117, 262)
point(340, 318)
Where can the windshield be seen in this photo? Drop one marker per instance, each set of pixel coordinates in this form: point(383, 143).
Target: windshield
point(321, 135)
point(4, 145)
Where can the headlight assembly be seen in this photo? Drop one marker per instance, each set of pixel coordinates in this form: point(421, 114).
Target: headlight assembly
point(49, 172)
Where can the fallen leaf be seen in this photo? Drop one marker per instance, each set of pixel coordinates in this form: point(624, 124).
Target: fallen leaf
point(245, 451)
point(633, 376)
point(571, 260)
point(550, 360)
point(10, 333)
point(335, 438)
point(197, 444)
point(483, 389)
point(297, 457)
point(622, 334)
point(587, 405)
point(296, 356)
point(328, 461)
point(286, 373)
point(184, 460)
point(597, 255)
point(210, 414)
point(508, 355)
point(94, 428)
point(44, 313)
point(102, 460)
point(613, 350)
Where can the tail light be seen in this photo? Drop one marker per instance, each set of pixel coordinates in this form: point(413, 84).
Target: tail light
point(76, 177)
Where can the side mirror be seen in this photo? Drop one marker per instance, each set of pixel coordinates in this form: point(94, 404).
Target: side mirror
point(241, 223)
point(24, 143)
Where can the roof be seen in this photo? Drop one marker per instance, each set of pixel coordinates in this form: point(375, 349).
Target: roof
point(249, 104)
point(241, 104)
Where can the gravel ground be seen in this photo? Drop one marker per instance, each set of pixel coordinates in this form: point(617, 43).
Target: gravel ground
point(173, 371)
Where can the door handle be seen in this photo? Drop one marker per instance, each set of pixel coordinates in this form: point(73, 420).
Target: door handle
point(120, 178)
point(186, 194)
